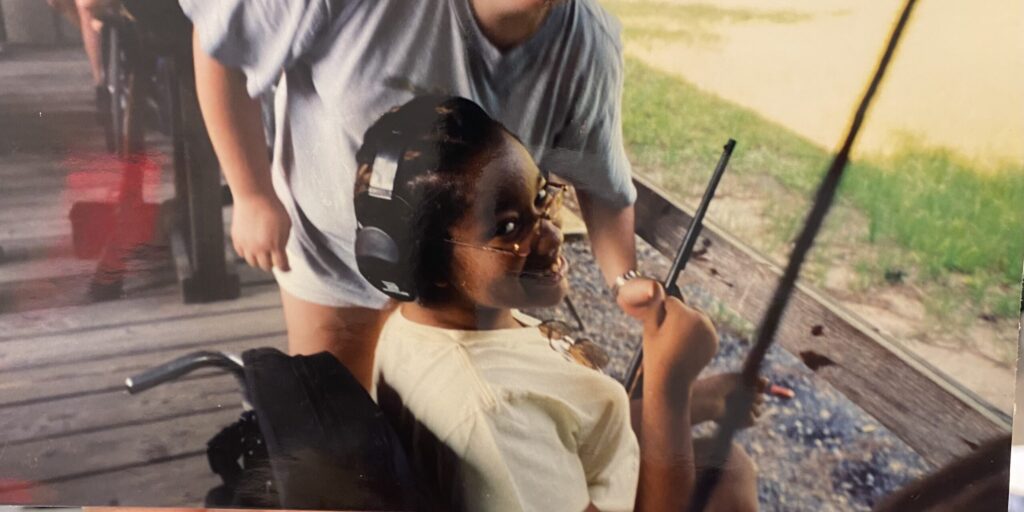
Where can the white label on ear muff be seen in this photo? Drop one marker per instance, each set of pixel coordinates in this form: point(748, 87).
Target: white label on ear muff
point(390, 287)
point(382, 181)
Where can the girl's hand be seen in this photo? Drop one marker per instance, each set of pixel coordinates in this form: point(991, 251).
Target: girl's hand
point(259, 231)
point(711, 396)
point(679, 341)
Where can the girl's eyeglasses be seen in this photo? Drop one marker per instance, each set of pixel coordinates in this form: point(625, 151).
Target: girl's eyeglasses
point(549, 199)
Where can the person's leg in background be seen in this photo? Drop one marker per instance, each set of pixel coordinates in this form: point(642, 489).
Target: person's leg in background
point(3, 29)
point(349, 333)
point(90, 40)
point(92, 45)
point(65, 8)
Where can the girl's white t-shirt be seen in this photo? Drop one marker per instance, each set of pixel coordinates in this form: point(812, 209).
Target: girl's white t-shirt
point(512, 424)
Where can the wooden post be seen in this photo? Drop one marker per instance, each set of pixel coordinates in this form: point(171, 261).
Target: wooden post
point(198, 237)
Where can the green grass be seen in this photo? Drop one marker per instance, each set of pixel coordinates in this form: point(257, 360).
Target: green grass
point(938, 205)
point(929, 212)
point(670, 124)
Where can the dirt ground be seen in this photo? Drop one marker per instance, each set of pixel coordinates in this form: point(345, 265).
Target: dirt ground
point(955, 82)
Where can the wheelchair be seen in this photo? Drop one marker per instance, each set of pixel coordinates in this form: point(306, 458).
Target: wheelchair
point(308, 437)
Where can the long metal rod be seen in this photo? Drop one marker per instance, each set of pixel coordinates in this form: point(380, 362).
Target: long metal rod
point(682, 258)
point(740, 402)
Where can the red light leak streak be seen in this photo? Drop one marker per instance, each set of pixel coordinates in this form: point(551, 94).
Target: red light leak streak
point(110, 217)
point(92, 175)
point(131, 223)
point(23, 492)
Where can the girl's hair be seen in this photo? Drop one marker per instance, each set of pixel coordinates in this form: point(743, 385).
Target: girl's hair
point(446, 141)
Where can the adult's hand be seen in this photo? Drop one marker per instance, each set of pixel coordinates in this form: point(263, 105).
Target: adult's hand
point(259, 231)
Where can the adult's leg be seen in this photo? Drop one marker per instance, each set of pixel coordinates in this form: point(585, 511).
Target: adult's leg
point(67, 9)
point(349, 333)
point(90, 39)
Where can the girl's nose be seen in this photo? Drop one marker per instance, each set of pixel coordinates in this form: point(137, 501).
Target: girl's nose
point(549, 239)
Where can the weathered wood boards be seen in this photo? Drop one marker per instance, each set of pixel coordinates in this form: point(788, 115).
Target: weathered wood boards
point(67, 425)
point(69, 433)
point(205, 274)
point(935, 416)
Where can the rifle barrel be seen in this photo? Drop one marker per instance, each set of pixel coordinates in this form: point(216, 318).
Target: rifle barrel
point(682, 257)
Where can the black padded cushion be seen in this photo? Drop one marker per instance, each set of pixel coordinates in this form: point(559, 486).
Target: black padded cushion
point(330, 446)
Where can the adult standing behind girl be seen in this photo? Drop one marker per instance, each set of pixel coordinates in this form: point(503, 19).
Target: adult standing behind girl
point(549, 70)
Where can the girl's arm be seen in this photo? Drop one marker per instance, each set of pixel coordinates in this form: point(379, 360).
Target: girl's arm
point(260, 225)
point(667, 471)
point(678, 342)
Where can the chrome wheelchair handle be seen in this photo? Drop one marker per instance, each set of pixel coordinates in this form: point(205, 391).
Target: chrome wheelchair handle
point(184, 365)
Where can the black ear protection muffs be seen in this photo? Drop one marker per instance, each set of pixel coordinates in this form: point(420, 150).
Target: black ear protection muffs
point(383, 238)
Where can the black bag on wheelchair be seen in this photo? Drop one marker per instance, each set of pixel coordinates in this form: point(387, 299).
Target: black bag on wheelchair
point(314, 440)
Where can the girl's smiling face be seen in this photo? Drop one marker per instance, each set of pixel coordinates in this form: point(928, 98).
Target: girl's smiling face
point(507, 249)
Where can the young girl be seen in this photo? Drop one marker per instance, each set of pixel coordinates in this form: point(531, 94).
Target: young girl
point(455, 219)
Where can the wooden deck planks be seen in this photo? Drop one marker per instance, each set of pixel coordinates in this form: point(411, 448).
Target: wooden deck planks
point(51, 458)
point(66, 423)
point(208, 390)
point(122, 468)
point(163, 309)
point(175, 481)
point(41, 380)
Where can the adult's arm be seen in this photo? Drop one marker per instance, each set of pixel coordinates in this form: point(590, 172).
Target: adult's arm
point(667, 470)
point(260, 224)
point(592, 155)
point(611, 232)
point(241, 47)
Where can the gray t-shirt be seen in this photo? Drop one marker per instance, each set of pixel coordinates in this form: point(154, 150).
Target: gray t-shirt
point(347, 62)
